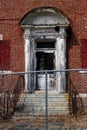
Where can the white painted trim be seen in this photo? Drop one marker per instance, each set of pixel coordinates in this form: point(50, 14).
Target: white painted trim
point(83, 72)
point(45, 26)
point(27, 56)
point(5, 71)
point(61, 60)
point(49, 34)
point(84, 95)
point(1, 37)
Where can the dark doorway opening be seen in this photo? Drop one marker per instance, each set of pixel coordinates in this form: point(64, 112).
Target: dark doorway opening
point(45, 61)
point(46, 44)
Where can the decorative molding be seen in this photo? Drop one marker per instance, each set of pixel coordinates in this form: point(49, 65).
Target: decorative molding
point(45, 17)
point(26, 33)
point(62, 33)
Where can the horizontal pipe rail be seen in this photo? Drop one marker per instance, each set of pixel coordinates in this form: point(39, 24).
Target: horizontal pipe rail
point(42, 71)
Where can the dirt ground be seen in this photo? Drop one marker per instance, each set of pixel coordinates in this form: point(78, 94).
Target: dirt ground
point(68, 122)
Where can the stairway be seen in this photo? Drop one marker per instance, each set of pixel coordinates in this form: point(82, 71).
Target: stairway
point(36, 103)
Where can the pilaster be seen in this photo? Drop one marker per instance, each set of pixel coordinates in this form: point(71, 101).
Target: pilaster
point(27, 57)
point(61, 61)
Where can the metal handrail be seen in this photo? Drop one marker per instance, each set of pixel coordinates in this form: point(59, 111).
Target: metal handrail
point(75, 100)
point(18, 89)
point(9, 99)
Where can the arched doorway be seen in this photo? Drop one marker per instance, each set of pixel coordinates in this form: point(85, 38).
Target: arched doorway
point(45, 38)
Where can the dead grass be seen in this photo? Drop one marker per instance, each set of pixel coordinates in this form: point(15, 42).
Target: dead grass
point(68, 121)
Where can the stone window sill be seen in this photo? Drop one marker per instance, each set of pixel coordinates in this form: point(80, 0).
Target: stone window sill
point(83, 72)
point(5, 71)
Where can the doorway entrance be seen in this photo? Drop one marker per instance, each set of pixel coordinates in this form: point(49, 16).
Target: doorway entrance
point(45, 60)
point(45, 47)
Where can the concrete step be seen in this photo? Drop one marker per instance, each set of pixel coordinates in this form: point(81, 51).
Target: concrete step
point(39, 114)
point(50, 105)
point(36, 103)
point(43, 99)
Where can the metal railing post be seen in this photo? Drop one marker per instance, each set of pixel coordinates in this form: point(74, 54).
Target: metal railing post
point(46, 90)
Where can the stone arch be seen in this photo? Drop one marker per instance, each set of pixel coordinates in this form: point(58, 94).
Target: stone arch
point(46, 14)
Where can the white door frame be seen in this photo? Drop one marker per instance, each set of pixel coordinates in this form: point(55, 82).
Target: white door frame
point(60, 53)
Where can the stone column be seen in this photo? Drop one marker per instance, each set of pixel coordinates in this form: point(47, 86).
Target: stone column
point(32, 65)
point(27, 57)
point(61, 61)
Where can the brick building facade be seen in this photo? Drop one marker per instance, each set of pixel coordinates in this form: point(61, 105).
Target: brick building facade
point(13, 14)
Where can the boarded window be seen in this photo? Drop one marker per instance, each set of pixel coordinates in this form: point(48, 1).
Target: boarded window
point(5, 55)
point(84, 52)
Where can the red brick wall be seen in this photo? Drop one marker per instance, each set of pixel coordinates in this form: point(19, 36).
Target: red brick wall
point(11, 13)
